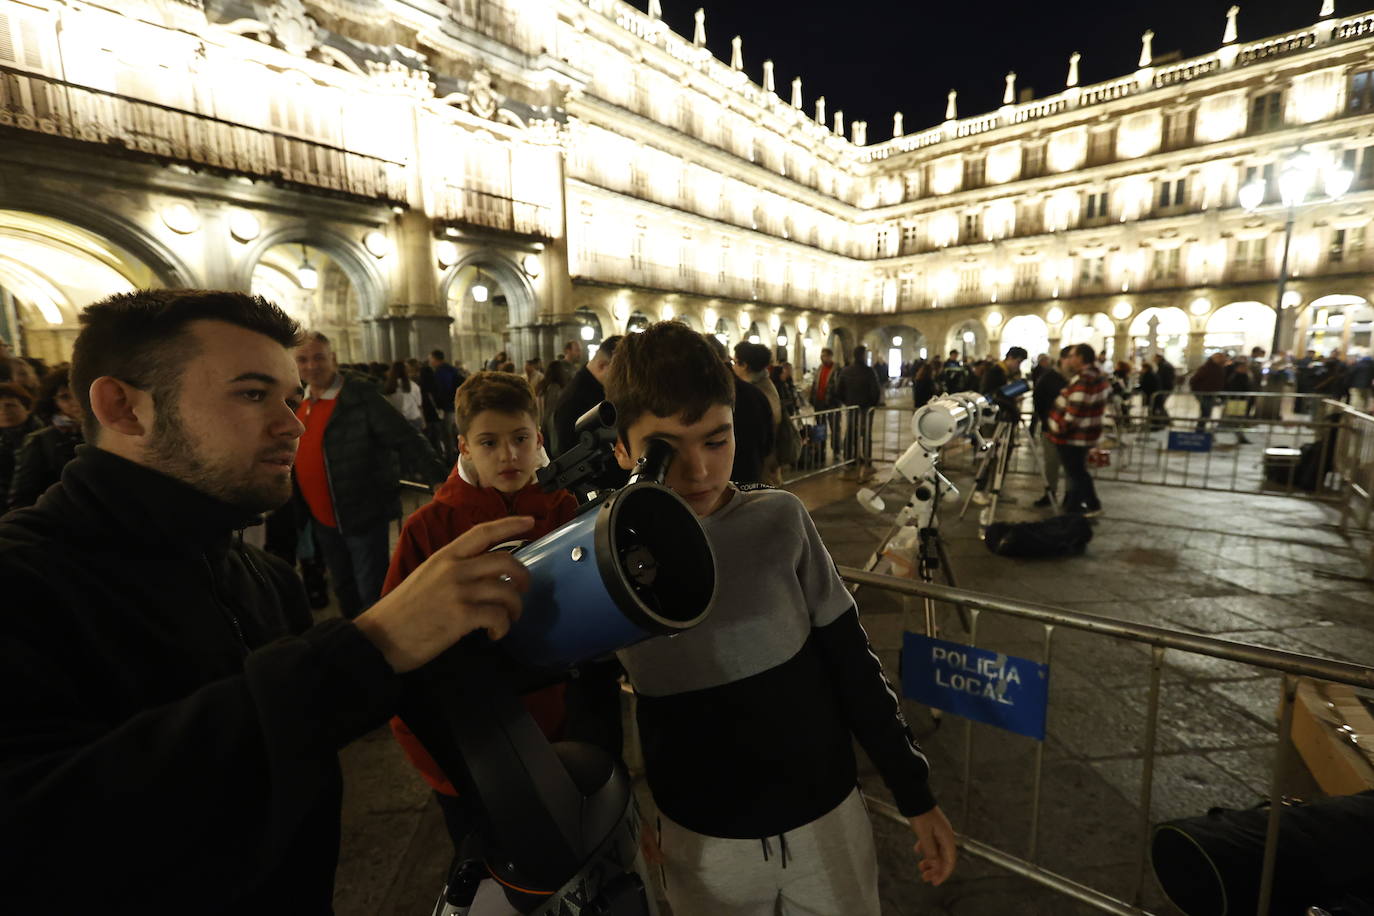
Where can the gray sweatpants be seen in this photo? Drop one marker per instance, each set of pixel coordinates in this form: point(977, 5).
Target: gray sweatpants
point(826, 868)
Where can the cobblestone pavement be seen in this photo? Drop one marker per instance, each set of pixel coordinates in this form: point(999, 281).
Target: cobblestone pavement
point(1241, 567)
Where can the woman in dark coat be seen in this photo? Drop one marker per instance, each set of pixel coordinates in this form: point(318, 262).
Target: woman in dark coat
point(923, 388)
point(1240, 379)
point(16, 422)
point(39, 461)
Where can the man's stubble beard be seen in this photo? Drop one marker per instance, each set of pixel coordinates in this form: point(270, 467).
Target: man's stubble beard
point(174, 452)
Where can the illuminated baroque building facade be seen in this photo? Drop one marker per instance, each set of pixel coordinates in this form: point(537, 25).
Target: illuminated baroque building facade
point(481, 175)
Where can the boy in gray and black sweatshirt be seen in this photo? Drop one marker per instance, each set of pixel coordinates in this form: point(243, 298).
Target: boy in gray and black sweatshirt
point(746, 720)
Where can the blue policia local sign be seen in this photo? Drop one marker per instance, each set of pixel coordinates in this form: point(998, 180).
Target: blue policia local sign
point(1002, 690)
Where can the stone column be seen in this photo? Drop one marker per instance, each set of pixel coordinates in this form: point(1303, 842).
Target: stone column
point(217, 248)
point(417, 283)
point(1122, 343)
point(417, 322)
point(1193, 355)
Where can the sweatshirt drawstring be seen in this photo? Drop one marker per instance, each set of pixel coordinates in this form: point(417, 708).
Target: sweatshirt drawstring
point(782, 845)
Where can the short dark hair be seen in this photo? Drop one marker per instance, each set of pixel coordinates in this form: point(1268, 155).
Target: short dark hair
point(754, 356)
point(859, 353)
point(140, 338)
point(1085, 352)
point(1065, 351)
point(1017, 353)
point(667, 370)
point(504, 392)
point(437, 354)
point(45, 404)
point(607, 348)
point(18, 392)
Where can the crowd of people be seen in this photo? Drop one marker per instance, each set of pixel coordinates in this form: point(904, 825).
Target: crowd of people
point(40, 426)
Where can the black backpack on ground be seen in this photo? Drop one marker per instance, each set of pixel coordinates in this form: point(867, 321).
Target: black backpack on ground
point(1061, 536)
point(1210, 865)
point(1307, 474)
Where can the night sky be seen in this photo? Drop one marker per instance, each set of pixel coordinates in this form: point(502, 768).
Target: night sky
point(873, 58)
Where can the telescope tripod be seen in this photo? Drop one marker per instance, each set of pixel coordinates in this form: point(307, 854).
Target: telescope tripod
point(991, 473)
point(917, 530)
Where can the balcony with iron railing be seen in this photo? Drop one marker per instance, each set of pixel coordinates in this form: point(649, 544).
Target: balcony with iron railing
point(1239, 55)
point(46, 105)
point(474, 208)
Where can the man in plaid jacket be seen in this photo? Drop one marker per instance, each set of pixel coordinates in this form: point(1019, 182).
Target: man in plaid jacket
point(1074, 425)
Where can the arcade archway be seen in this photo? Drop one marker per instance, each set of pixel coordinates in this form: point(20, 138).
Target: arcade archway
point(810, 351)
point(1161, 330)
point(970, 338)
point(842, 342)
point(1338, 324)
point(1239, 327)
point(1097, 330)
point(784, 344)
point(896, 345)
point(1027, 331)
point(312, 287)
point(49, 271)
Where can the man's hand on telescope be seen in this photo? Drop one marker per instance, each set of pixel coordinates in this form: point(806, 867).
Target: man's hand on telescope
point(935, 844)
point(457, 590)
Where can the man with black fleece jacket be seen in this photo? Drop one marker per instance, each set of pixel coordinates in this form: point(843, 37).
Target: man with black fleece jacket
point(169, 720)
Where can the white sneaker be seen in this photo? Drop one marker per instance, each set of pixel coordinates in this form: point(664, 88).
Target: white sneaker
point(982, 497)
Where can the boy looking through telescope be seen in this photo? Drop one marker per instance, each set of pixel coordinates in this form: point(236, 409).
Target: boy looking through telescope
point(747, 720)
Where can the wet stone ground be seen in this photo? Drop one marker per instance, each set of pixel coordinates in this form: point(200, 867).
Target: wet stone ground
point(1244, 567)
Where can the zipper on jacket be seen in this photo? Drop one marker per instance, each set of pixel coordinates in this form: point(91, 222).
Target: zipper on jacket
point(328, 477)
point(222, 605)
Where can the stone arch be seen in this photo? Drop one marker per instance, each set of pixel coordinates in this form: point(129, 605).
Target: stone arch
point(503, 321)
point(591, 328)
point(841, 340)
point(170, 270)
point(905, 339)
point(1337, 322)
point(1239, 327)
point(1097, 329)
point(356, 264)
point(1171, 337)
point(787, 332)
point(689, 318)
point(969, 337)
point(50, 269)
point(810, 352)
point(1030, 332)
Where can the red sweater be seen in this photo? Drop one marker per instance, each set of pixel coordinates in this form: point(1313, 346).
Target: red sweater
point(457, 507)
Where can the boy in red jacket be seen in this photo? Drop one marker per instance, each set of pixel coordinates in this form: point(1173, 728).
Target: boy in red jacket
point(499, 449)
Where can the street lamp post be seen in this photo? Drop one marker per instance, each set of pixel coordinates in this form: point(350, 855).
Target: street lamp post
point(1296, 177)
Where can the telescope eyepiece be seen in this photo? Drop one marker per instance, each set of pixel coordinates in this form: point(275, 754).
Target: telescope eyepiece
point(653, 464)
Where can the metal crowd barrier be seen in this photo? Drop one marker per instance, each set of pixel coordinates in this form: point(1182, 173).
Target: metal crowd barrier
point(1353, 465)
point(1268, 463)
point(829, 439)
point(1160, 641)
